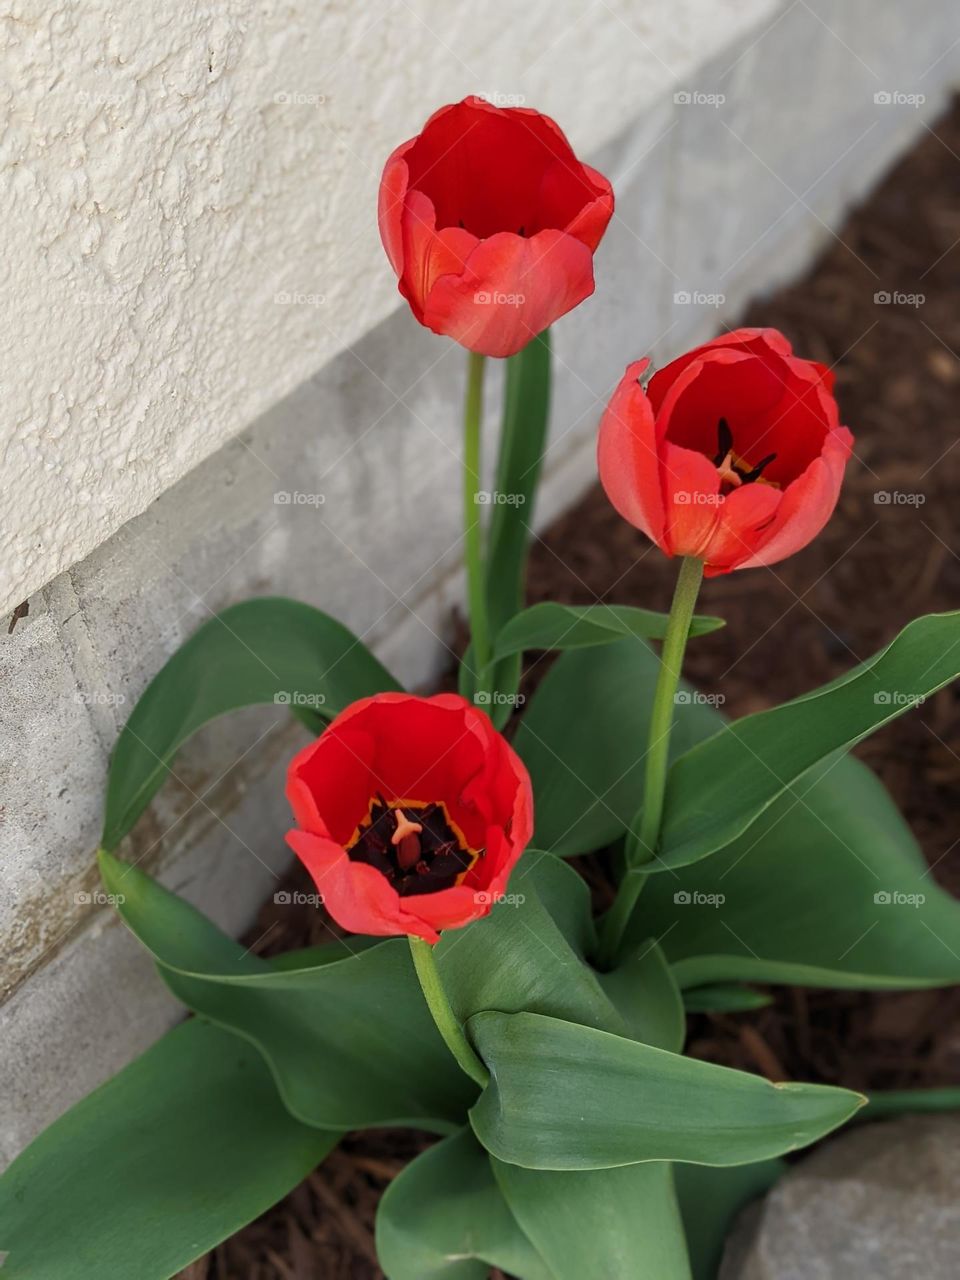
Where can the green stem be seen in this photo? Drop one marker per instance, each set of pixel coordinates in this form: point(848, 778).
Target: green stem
point(443, 1015)
point(658, 755)
point(476, 587)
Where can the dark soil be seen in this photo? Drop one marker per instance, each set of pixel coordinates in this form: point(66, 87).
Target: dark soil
point(789, 629)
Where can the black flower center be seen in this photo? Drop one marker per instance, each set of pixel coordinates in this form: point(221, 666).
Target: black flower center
point(735, 470)
point(414, 845)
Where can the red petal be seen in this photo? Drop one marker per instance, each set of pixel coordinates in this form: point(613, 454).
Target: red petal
point(627, 455)
point(512, 289)
point(806, 504)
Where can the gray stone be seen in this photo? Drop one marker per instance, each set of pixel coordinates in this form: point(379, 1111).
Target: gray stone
point(877, 1203)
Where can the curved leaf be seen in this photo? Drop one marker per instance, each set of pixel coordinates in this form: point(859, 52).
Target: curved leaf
point(600, 1222)
point(266, 650)
point(518, 958)
point(560, 626)
point(444, 1218)
point(645, 991)
point(721, 786)
point(827, 888)
point(563, 1096)
point(179, 1150)
point(584, 737)
point(351, 1043)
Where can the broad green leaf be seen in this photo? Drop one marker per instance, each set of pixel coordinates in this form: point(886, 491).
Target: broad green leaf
point(518, 957)
point(584, 737)
point(646, 993)
point(444, 1218)
point(179, 1150)
point(564, 1096)
point(827, 888)
point(710, 1199)
point(600, 1222)
point(560, 626)
point(351, 1043)
point(266, 650)
point(718, 788)
point(724, 997)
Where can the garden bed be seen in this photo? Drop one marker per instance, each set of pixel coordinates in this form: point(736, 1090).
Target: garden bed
point(877, 565)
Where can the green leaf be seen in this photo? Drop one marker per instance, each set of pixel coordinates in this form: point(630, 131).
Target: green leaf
point(519, 958)
point(724, 998)
point(795, 899)
point(267, 650)
point(350, 1042)
point(560, 626)
point(523, 433)
point(444, 1218)
point(583, 738)
point(720, 787)
point(178, 1151)
point(600, 1222)
point(710, 1199)
point(563, 1096)
point(645, 991)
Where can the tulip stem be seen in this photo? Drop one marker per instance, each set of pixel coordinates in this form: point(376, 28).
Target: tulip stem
point(439, 1006)
point(657, 757)
point(476, 586)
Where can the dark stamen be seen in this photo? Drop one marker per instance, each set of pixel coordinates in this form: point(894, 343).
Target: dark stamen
point(725, 448)
point(724, 441)
point(521, 232)
point(755, 473)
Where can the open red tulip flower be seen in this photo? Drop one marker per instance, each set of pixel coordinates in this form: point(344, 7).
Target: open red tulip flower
point(412, 812)
point(490, 222)
point(733, 455)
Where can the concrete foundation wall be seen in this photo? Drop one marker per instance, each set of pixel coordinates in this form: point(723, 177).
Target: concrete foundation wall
point(728, 181)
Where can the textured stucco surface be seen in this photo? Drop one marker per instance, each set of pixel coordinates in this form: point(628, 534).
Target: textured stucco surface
point(726, 201)
point(187, 194)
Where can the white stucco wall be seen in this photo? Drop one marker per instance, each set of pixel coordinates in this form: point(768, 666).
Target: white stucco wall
point(169, 171)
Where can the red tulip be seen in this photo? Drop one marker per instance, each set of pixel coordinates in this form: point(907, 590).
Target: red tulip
point(490, 222)
point(411, 813)
point(733, 455)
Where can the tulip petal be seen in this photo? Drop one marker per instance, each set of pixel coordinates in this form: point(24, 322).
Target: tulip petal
point(806, 504)
point(627, 455)
point(511, 290)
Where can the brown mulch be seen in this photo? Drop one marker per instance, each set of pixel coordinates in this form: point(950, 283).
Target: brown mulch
point(788, 630)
